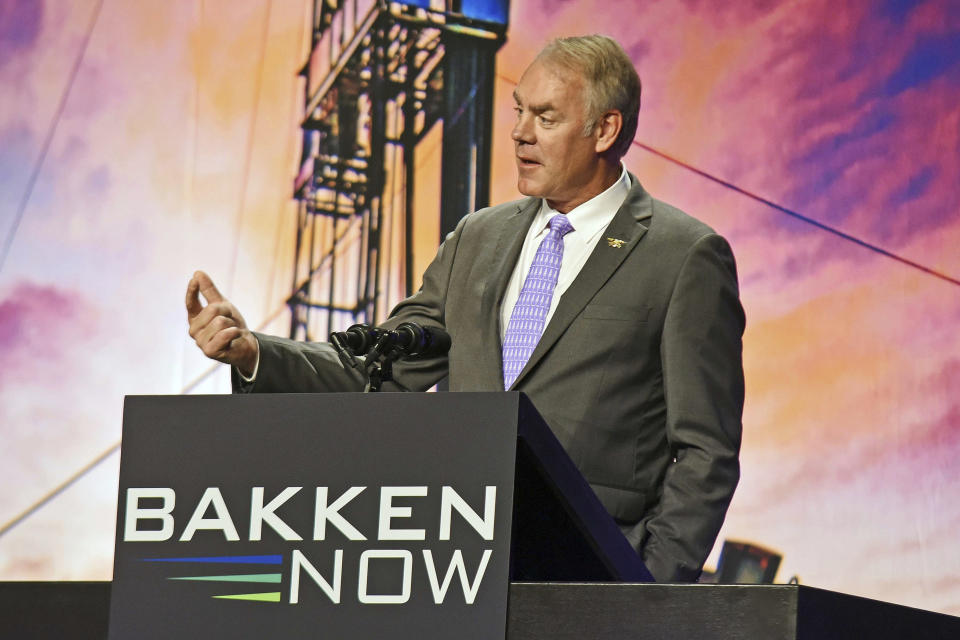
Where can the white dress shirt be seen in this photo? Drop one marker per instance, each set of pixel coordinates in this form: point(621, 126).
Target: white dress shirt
point(588, 220)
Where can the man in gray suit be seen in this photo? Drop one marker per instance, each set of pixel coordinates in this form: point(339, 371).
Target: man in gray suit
point(617, 314)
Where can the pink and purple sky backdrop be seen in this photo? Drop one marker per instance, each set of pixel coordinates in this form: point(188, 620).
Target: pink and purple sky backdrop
point(846, 113)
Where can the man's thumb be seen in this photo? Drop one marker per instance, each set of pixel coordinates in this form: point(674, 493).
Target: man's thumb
point(207, 289)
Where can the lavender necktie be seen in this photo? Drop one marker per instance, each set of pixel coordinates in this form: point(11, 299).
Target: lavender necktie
point(530, 312)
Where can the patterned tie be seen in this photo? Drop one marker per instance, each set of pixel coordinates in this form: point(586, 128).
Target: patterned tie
point(530, 313)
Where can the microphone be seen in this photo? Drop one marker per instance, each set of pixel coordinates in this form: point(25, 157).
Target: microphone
point(357, 340)
point(408, 340)
point(414, 341)
point(381, 347)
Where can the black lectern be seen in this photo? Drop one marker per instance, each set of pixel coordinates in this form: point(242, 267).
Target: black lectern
point(369, 515)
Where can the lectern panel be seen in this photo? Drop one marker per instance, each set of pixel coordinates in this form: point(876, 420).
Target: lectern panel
point(305, 516)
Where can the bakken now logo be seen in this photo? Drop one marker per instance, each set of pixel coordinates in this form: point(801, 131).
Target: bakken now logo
point(397, 562)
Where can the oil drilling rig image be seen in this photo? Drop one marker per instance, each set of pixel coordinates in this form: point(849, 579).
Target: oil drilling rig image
point(381, 77)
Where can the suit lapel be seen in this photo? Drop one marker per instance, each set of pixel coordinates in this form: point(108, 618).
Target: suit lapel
point(507, 252)
point(628, 225)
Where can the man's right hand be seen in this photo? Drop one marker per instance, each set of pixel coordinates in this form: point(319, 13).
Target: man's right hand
point(218, 328)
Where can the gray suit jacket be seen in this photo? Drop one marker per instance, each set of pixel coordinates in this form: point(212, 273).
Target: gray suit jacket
point(638, 373)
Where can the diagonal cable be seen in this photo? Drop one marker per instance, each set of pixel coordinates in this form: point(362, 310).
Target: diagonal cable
point(50, 495)
point(44, 150)
point(796, 215)
point(295, 105)
point(784, 210)
point(247, 161)
point(90, 466)
point(188, 388)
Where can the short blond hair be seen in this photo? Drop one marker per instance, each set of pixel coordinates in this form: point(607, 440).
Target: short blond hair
point(612, 82)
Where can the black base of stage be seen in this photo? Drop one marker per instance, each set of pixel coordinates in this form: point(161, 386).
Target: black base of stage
point(557, 611)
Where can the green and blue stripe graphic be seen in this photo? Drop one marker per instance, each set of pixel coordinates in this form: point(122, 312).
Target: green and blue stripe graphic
point(263, 578)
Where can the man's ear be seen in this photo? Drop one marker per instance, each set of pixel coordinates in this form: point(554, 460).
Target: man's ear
point(608, 128)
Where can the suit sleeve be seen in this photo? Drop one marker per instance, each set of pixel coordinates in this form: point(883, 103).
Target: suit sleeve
point(701, 355)
point(290, 366)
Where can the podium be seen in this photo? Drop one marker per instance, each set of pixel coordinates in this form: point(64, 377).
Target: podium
point(401, 515)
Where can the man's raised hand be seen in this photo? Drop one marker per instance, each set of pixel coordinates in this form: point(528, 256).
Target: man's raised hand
point(218, 328)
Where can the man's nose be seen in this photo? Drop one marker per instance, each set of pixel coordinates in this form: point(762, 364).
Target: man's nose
point(522, 132)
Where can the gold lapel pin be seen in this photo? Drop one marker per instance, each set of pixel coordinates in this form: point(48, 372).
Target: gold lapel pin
point(616, 243)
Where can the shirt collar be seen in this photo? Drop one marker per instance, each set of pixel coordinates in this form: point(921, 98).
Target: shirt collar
point(594, 214)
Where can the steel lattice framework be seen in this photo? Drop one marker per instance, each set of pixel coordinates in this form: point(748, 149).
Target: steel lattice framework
point(380, 77)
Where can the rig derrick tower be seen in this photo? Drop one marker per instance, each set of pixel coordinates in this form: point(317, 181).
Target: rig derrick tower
point(380, 76)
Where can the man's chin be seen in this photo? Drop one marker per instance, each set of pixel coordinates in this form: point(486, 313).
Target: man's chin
point(528, 188)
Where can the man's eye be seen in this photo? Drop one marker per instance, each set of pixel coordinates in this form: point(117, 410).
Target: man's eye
point(518, 110)
point(545, 120)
